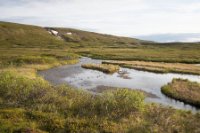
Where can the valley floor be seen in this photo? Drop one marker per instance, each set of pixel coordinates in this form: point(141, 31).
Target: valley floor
point(159, 67)
point(29, 105)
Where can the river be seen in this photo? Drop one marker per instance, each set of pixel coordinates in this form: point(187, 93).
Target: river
point(149, 82)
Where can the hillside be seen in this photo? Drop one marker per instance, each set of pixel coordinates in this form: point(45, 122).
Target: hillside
point(18, 37)
point(123, 48)
point(78, 38)
point(25, 44)
point(25, 36)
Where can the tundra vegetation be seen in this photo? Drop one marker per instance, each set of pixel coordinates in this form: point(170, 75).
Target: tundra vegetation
point(183, 90)
point(122, 48)
point(158, 67)
point(28, 103)
point(106, 68)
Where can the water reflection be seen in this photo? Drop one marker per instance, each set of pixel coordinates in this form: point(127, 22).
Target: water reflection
point(149, 82)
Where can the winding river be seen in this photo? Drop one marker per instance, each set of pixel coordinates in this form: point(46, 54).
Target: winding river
point(148, 82)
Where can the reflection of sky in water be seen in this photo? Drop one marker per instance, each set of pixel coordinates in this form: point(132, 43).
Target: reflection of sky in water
point(149, 82)
point(146, 81)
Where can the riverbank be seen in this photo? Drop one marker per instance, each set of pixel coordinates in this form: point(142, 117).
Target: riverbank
point(37, 106)
point(183, 90)
point(158, 67)
point(78, 77)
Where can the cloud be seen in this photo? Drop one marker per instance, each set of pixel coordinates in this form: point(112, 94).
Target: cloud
point(121, 17)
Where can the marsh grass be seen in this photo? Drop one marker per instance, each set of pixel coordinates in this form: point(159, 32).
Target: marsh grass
point(183, 90)
point(106, 68)
point(158, 67)
point(36, 106)
point(153, 53)
point(48, 106)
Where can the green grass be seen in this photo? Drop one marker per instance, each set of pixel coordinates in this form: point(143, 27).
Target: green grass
point(122, 48)
point(19, 38)
point(183, 90)
point(25, 44)
point(83, 39)
point(25, 36)
point(102, 67)
point(157, 53)
point(35, 105)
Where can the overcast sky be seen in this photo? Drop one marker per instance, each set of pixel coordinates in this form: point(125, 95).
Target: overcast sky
point(119, 17)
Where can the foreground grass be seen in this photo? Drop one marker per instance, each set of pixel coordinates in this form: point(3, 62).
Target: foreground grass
point(102, 67)
point(36, 106)
point(158, 67)
point(183, 90)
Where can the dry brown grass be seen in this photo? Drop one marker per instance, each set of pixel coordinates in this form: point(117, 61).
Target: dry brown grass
point(159, 67)
point(183, 90)
point(102, 67)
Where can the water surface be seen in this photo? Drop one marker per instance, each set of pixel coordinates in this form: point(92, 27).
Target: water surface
point(149, 82)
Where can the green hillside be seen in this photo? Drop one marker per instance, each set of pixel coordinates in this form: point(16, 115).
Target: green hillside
point(25, 36)
point(18, 37)
point(81, 39)
point(123, 48)
point(25, 44)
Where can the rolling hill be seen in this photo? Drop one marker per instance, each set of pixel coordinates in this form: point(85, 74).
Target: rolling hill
point(21, 38)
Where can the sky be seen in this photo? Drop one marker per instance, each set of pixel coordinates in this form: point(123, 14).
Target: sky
point(118, 17)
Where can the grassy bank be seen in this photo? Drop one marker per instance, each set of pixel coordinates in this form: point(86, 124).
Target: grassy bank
point(158, 67)
point(183, 90)
point(36, 106)
point(102, 67)
point(154, 53)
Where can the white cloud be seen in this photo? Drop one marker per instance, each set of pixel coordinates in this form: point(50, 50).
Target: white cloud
point(121, 17)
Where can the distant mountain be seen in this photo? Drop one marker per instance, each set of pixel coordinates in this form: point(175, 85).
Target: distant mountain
point(182, 37)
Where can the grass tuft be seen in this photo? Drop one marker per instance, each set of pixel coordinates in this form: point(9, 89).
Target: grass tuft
point(102, 67)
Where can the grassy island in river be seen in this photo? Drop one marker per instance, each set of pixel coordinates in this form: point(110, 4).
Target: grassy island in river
point(183, 90)
point(106, 68)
